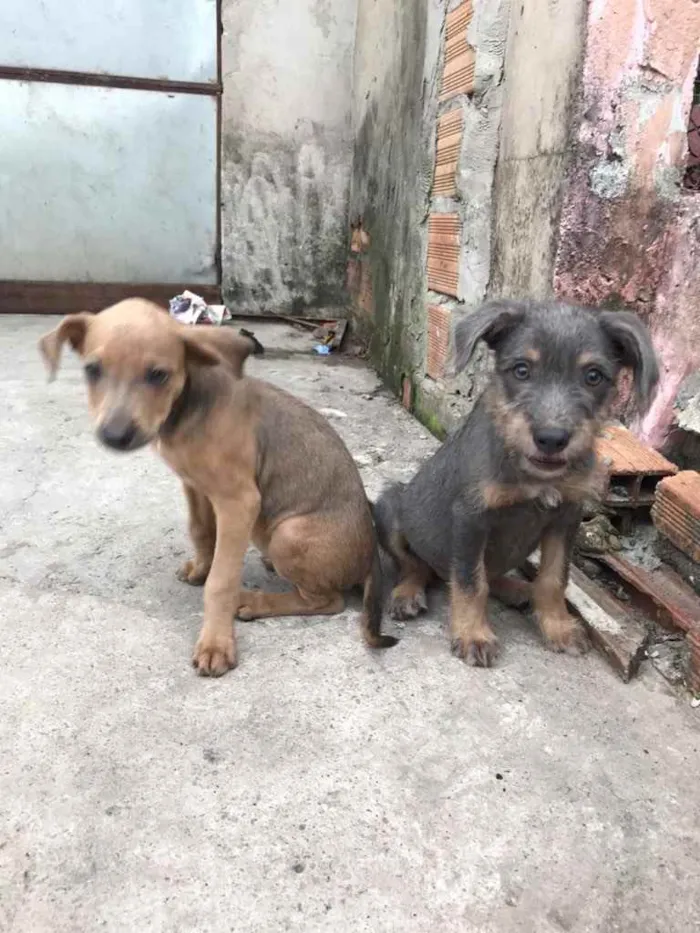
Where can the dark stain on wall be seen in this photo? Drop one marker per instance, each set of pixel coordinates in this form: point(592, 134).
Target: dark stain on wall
point(285, 229)
point(392, 172)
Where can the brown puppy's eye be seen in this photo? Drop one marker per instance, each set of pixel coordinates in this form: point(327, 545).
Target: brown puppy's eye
point(93, 371)
point(157, 377)
point(593, 377)
point(521, 371)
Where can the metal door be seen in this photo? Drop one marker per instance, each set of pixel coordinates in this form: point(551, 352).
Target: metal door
point(109, 174)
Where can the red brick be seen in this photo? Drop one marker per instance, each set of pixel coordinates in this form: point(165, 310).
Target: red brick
point(460, 57)
point(449, 141)
point(443, 253)
point(439, 325)
point(676, 511)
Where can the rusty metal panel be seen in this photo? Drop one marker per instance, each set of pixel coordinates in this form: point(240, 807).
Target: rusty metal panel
point(172, 39)
point(107, 185)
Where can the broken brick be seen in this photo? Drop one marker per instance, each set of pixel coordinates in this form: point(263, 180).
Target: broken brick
point(634, 469)
point(676, 512)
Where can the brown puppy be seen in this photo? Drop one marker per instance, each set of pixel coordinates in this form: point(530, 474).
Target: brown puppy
point(256, 464)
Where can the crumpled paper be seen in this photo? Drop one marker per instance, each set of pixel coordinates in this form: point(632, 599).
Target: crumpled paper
point(189, 308)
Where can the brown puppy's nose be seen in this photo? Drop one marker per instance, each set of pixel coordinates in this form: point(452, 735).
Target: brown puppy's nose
point(118, 435)
point(551, 441)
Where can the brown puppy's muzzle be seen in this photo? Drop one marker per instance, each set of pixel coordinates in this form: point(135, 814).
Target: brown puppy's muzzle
point(119, 432)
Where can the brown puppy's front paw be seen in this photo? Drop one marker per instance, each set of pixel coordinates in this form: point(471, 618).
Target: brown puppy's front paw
point(407, 604)
point(480, 651)
point(566, 636)
point(213, 657)
point(193, 573)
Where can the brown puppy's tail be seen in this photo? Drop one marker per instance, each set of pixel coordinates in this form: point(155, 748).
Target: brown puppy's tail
point(372, 607)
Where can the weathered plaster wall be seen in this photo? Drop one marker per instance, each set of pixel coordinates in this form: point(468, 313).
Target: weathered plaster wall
point(629, 235)
point(286, 151)
point(539, 94)
point(394, 103)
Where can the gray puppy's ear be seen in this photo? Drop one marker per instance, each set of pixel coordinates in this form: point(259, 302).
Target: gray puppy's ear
point(490, 323)
point(632, 344)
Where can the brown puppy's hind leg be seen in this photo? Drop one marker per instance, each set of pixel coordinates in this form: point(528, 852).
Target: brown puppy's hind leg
point(305, 551)
point(203, 534)
point(257, 604)
point(300, 552)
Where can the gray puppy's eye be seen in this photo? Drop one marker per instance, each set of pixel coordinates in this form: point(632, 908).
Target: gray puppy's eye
point(522, 370)
point(593, 377)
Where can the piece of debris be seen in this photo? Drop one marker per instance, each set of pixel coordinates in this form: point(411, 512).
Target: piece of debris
point(666, 599)
point(597, 536)
point(614, 631)
point(676, 512)
point(670, 659)
point(331, 334)
point(634, 469)
point(332, 413)
point(189, 308)
point(322, 349)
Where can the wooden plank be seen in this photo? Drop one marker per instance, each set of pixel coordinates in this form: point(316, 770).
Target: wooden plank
point(66, 297)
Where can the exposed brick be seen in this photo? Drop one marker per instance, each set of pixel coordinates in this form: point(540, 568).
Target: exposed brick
point(676, 511)
point(460, 58)
point(439, 324)
point(449, 140)
point(366, 299)
point(634, 468)
point(443, 253)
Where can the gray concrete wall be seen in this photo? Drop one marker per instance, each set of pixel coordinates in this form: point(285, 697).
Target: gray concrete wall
point(286, 151)
point(541, 80)
point(394, 104)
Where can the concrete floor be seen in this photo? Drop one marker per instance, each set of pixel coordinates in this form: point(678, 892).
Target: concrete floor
point(318, 787)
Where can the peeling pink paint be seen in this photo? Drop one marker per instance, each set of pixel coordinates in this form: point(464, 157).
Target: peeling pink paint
point(628, 235)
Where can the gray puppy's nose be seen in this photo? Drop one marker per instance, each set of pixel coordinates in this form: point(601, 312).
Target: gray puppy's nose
point(551, 440)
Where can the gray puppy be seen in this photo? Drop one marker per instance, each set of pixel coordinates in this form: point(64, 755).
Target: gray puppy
point(516, 472)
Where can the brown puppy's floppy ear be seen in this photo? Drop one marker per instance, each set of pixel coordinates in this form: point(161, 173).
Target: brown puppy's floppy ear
point(632, 344)
point(489, 323)
point(72, 328)
point(212, 345)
